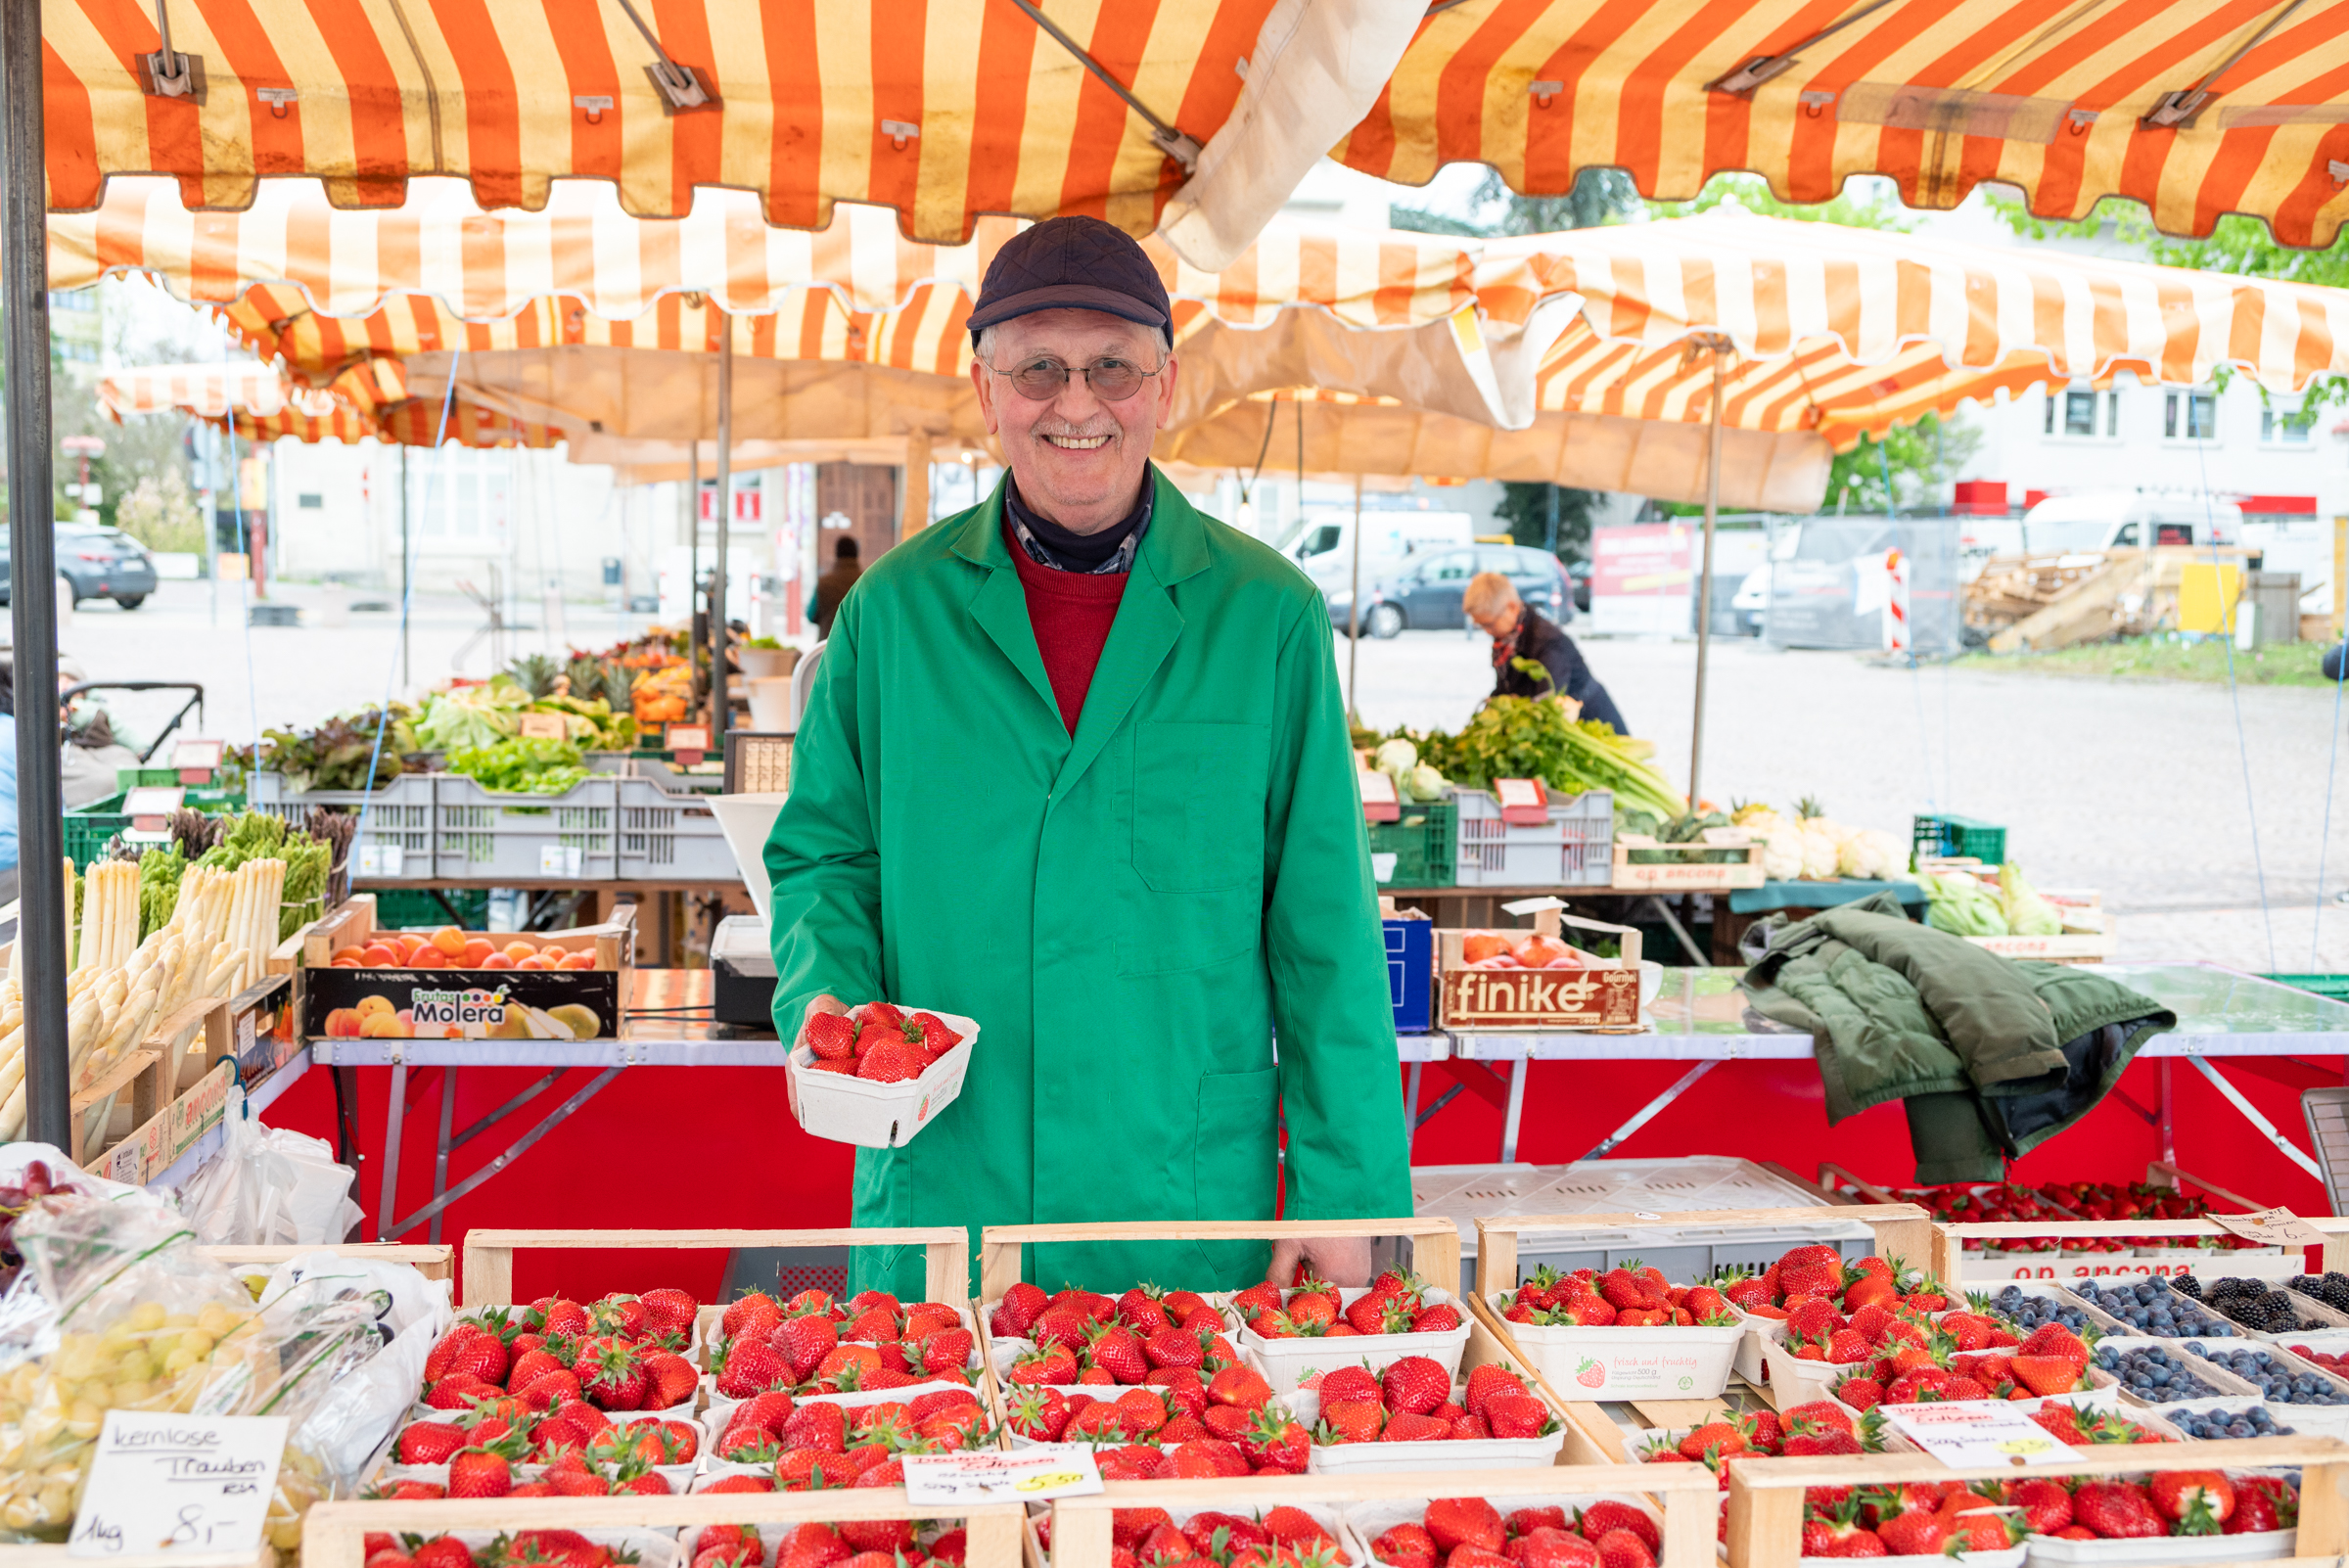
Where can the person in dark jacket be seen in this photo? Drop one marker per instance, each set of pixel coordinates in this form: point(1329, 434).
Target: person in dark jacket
point(834, 585)
point(1520, 631)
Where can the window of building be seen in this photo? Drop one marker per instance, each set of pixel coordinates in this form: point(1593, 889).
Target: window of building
point(309, 500)
point(2078, 412)
point(2189, 416)
point(2285, 425)
point(458, 494)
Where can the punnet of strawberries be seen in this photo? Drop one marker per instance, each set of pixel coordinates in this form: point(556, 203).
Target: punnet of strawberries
point(1944, 1518)
point(1819, 1429)
point(849, 1544)
point(1283, 1536)
point(521, 1548)
point(499, 1446)
point(1475, 1533)
point(1633, 1296)
point(2065, 1202)
point(621, 1352)
point(1964, 1356)
point(1818, 1273)
point(1181, 1425)
point(878, 1043)
point(1415, 1401)
point(773, 1442)
point(1396, 1303)
point(814, 1343)
point(1084, 1337)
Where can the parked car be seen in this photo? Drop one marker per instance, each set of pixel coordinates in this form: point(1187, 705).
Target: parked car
point(95, 563)
point(1424, 595)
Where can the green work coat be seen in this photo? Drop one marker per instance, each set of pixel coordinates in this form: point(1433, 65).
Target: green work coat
point(1130, 913)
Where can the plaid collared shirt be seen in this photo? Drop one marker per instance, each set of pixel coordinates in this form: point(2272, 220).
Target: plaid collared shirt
point(1119, 560)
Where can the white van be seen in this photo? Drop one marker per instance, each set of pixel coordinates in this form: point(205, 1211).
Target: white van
point(2125, 520)
point(1322, 542)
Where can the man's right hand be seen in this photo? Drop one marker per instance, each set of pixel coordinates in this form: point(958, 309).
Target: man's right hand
point(826, 1003)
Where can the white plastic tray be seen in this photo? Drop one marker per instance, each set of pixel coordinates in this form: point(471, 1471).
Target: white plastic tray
point(1629, 1364)
point(845, 1109)
point(1442, 1453)
point(1285, 1362)
point(2262, 1546)
point(1370, 1520)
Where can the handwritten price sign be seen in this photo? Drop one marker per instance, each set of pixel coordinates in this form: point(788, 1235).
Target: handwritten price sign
point(178, 1483)
point(1024, 1475)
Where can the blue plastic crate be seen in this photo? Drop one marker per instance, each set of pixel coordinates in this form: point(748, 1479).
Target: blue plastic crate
point(1412, 974)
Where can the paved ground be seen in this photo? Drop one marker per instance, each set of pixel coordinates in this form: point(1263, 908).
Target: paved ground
point(2138, 788)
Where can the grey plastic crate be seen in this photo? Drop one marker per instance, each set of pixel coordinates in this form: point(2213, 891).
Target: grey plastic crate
point(1691, 1184)
point(399, 815)
point(666, 836)
point(482, 833)
point(1575, 848)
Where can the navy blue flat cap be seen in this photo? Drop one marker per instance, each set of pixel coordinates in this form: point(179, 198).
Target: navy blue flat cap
point(1072, 263)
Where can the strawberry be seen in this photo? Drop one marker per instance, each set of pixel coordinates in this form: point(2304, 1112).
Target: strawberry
point(1351, 1421)
point(1237, 1385)
point(750, 1316)
point(429, 1443)
point(1860, 1393)
point(830, 1035)
point(1276, 1443)
point(1983, 1529)
point(1515, 1415)
point(741, 1483)
point(745, 1366)
point(1918, 1532)
point(1454, 1522)
point(1546, 1546)
point(2047, 1375)
point(2257, 1509)
point(1405, 1427)
point(2116, 1510)
point(2199, 1501)
point(893, 1061)
point(1414, 1385)
point(1017, 1310)
point(1405, 1545)
point(2053, 1338)
point(1621, 1548)
point(1712, 1437)
point(480, 1473)
point(2046, 1504)
point(1441, 1317)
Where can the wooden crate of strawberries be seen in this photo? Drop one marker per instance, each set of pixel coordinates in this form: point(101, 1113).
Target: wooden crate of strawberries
point(660, 1394)
point(2160, 1504)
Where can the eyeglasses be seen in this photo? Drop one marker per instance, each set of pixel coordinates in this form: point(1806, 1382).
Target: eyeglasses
point(1113, 381)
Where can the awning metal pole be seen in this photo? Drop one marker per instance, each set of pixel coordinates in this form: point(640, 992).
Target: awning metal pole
point(1720, 348)
point(1354, 600)
point(32, 571)
point(725, 512)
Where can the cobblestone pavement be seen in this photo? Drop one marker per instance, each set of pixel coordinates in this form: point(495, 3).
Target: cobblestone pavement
point(2134, 788)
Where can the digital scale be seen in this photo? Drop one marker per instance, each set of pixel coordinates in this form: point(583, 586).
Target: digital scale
point(742, 967)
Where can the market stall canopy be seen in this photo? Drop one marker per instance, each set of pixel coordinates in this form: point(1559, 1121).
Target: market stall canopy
point(2195, 107)
point(1202, 115)
point(257, 402)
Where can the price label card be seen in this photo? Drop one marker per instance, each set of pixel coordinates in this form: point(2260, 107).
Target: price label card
point(2271, 1227)
point(688, 737)
point(1976, 1432)
point(543, 726)
point(178, 1483)
point(1025, 1475)
point(196, 754)
point(382, 861)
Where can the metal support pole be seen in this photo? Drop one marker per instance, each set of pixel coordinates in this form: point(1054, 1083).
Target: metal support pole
point(1719, 346)
point(1353, 601)
point(693, 528)
point(33, 564)
point(1646, 1113)
point(2169, 1125)
point(1410, 1106)
point(1514, 1117)
point(718, 717)
point(405, 685)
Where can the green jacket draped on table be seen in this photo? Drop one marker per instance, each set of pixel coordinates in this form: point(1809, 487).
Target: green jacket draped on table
point(1129, 913)
point(1991, 1056)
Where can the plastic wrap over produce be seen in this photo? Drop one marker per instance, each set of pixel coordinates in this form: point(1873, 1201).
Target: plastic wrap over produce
point(116, 1309)
point(268, 1187)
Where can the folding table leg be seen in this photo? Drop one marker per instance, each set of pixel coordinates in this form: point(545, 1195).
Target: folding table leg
point(392, 1119)
point(1411, 1107)
point(2291, 1150)
point(448, 1114)
point(513, 1151)
point(1516, 1111)
point(1646, 1113)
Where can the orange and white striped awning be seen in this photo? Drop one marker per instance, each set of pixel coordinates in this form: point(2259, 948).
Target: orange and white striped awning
point(2195, 107)
point(208, 390)
point(260, 403)
point(1204, 114)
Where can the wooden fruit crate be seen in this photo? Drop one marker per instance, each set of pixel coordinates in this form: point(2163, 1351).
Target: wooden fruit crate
point(1435, 1242)
point(1948, 1243)
point(435, 1261)
point(488, 1275)
point(1689, 875)
point(1766, 1496)
point(1685, 1495)
point(334, 1536)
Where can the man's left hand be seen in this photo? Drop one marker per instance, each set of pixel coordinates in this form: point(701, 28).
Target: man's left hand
point(1336, 1260)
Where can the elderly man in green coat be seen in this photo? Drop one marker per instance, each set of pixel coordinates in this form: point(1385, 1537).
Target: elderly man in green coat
point(1076, 766)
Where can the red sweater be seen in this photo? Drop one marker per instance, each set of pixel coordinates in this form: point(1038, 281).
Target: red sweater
point(1071, 613)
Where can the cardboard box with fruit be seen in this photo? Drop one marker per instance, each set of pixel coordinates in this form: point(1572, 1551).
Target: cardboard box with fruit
point(1540, 979)
point(452, 984)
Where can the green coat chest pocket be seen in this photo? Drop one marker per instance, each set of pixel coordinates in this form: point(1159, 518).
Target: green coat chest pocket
point(1199, 804)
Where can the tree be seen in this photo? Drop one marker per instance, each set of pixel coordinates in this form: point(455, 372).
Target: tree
point(1923, 457)
point(1526, 508)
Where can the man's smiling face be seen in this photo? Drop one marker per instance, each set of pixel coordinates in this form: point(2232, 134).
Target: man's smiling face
point(1080, 459)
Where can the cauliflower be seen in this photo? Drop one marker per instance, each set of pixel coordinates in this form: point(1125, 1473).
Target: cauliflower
point(1781, 851)
point(1820, 852)
point(1397, 757)
point(1424, 783)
